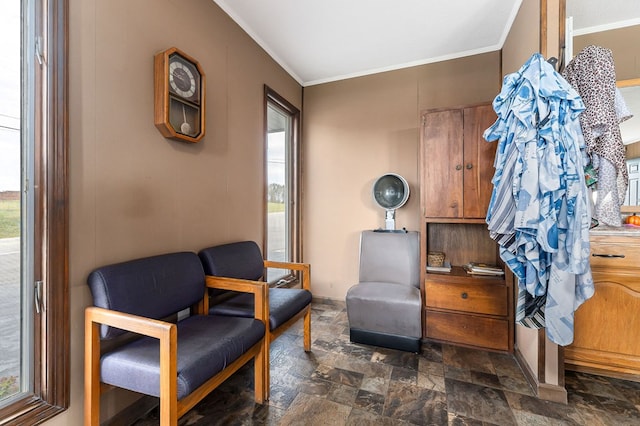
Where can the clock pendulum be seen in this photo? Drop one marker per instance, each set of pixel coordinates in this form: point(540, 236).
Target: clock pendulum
point(185, 127)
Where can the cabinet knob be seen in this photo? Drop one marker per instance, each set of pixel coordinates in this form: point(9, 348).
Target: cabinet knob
point(458, 166)
point(469, 166)
point(464, 295)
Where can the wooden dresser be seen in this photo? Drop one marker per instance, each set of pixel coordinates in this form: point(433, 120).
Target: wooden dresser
point(607, 326)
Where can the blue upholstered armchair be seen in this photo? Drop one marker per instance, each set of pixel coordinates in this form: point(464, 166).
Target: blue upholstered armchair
point(180, 362)
point(241, 261)
point(384, 308)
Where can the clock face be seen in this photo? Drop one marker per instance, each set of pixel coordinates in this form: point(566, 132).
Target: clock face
point(182, 78)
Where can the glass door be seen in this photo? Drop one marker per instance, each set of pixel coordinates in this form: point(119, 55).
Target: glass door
point(282, 192)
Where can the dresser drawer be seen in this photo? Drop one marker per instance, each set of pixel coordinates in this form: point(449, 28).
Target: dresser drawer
point(470, 296)
point(615, 254)
point(470, 330)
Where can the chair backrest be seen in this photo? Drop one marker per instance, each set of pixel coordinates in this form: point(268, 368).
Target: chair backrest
point(392, 257)
point(153, 287)
point(241, 260)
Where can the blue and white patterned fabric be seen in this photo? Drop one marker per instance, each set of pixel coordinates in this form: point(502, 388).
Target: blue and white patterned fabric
point(539, 211)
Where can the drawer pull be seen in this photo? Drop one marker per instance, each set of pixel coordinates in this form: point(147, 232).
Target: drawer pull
point(620, 256)
point(464, 295)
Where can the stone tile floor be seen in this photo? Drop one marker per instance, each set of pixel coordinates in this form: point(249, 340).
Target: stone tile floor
point(341, 383)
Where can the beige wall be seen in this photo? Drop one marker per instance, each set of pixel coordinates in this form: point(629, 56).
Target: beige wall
point(622, 42)
point(633, 150)
point(134, 193)
point(523, 39)
point(359, 129)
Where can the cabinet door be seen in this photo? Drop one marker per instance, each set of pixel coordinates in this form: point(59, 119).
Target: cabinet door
point(442, 164)
point(606, 327)
point(479, 156)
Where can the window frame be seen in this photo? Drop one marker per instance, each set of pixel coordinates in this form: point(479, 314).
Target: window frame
point(294, 182)
point(51, 334)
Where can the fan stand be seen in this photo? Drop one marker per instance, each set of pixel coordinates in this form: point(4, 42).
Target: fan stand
point(390, 220)
point(390, 223)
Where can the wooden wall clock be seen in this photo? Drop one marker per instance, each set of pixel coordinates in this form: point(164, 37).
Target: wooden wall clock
point(179, 84)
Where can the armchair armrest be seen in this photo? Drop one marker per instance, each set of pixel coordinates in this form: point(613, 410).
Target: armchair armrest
point(166, 332)
point(305, 268)
point(129, 322)
point(258, 288)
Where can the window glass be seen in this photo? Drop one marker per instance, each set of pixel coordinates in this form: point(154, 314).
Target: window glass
point(277, 191)
point(282, 198)
point(11, 301)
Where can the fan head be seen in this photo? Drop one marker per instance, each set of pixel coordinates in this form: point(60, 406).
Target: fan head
point(390, 191)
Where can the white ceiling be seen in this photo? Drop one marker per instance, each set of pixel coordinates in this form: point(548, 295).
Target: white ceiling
point(318, 41)
point(590, 16)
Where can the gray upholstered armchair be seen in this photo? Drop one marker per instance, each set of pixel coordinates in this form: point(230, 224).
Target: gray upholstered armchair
point(384, 308)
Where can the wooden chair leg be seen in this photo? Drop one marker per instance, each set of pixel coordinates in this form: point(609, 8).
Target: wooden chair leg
point(261, 373)
point(267, 365)
point(168, 375)
point(91, 374)
point(307, 330)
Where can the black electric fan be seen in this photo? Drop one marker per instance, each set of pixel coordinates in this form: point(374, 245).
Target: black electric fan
point(390, 191)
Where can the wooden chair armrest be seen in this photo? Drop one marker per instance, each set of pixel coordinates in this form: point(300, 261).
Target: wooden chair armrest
point(296, 266)
point(166, 332)
point(258, 288)
point(133, 323)
point(305, 268)
point(235, 284)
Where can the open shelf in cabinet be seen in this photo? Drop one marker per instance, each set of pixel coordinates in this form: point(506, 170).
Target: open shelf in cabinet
point(462, 308)
point(461, 243)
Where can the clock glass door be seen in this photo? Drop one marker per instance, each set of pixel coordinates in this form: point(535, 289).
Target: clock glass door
point(184, 117)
